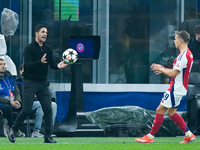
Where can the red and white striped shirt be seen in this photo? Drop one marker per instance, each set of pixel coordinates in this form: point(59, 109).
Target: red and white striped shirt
point(183, 63)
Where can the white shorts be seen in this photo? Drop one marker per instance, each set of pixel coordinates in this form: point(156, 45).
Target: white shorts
point(171, 100)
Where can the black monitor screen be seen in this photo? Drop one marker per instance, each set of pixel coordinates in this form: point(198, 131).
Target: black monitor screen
point(87, 47)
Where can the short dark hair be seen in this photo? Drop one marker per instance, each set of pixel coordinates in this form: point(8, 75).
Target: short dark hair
point(183, 35)
point(197, 29)
point(39, 26)
point(21, 67)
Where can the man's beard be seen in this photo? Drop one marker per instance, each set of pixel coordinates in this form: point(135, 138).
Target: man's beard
point(42, 40)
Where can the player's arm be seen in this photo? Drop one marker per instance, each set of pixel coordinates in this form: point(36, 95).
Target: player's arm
point(169, 72)
point(161, 69)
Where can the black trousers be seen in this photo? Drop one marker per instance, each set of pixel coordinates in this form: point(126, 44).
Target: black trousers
point(7, 113)
point(41, 90)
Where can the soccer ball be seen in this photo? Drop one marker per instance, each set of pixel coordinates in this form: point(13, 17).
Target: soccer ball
point(70, 56)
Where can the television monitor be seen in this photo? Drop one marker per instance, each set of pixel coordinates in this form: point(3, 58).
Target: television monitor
point(87, 47)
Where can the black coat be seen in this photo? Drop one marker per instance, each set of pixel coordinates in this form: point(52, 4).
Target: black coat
point(194, 47)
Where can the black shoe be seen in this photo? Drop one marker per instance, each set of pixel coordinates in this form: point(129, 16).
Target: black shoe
point(49, 140)
point(11, 135)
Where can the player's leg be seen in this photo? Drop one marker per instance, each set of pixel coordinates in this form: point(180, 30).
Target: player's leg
point(158, 119)
point(149, 138)
point(161, 109)
point(178, 120)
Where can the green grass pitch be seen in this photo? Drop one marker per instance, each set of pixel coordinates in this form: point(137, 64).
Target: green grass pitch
point(96, 143)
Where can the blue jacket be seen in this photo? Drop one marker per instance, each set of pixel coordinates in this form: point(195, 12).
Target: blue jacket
point(8, 82)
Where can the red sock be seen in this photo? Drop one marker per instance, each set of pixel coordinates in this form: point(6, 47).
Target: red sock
point(178, 120)
point(157, 123)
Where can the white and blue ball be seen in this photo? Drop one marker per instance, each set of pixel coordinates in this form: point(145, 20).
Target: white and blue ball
point(70, 56)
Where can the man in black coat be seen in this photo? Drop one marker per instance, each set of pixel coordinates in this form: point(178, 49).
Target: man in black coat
point(37, 57)
point(194, 44)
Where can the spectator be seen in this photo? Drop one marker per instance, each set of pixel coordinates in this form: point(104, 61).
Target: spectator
point(194, 43)
point(9, 98)
point(37, 108)
point(194, 46)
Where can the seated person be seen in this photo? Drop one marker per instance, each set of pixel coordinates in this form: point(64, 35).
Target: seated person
point(37, 108)
point(9, 98)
